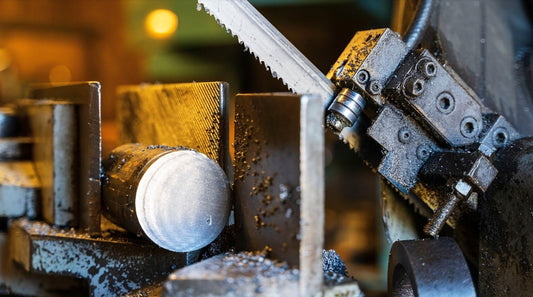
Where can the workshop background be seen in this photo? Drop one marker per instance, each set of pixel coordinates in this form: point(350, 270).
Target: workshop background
point(134, 42)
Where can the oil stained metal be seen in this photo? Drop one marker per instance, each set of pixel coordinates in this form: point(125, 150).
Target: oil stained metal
point(87, 95)
point(112, 265)
point(192, 115)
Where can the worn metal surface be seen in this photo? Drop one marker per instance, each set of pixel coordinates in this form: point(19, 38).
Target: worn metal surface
point(112, 265)
point(193, 115)
point(250, 274)
point(177, 198)
point(406, 147)
point(15, 281)
point(312, 194)
point(56, 155)
point(506, 217)
point(279, 179)
point(19, 189)
point(272, 49)
point(87, 95)
point(429, 267)
point(16, 148)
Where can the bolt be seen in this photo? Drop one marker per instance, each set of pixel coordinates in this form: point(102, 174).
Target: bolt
point(500, 137)
point(404, 135)
point(362, 76)
point(445, 102)
point(423, 151)
point(440, 216)
point(427, 67)
point(374, 87)
point(413, 86)
point(469, 127)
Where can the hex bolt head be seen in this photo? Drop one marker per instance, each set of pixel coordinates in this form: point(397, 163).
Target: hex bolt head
point(413, 86)
point(362, 76)
point(374, 87)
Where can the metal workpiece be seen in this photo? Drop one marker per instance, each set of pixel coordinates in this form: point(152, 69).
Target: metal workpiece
point(368, 62)
point(270, 47)
point(506, 244)
point(344, 110)
point(405, 145)
point(194, 115)
point(54, 129)
point(178, 198)
point(112, 265)
point(250, 274)
point(279, 176)
point(87, 96)
point(428, 267)
point(20, 189)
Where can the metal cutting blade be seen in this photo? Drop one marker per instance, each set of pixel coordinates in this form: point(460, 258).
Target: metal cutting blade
point(270, 47)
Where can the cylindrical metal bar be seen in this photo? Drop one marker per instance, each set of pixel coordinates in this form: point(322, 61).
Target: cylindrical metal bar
point(441, 215)
point(177, 198)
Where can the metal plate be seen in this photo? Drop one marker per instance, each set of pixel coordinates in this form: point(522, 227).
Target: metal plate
point(87, 94)
point(55, 133)
point(192, 115)
point(279, 176)
point(112, 265)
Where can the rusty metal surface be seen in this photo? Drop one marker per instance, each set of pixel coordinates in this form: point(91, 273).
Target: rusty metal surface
point(113, 264)
point(56, 156)
point(87, 95)
point(193, 115)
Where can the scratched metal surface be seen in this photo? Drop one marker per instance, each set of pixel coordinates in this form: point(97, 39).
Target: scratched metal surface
point(192, 115)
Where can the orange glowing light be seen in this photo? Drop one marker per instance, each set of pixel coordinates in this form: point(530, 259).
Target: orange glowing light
point(59, 74)
point(161, 23)
point(5, 59)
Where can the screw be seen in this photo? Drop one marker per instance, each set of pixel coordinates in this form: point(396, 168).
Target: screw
point(469, 127)
point(362, 76)
point(445, 102)
point(427, 67)
point(404, 135)
point(423, 151)
point(413, 86)
point(500, 137)
point(374, 87)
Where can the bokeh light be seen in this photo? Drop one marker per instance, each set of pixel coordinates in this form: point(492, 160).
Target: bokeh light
point(5, 59)
point(161, 23)
point(60, 74)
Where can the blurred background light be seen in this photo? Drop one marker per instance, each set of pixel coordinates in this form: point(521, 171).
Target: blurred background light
point(161, 23)
point(60, 74)
point(5, 59)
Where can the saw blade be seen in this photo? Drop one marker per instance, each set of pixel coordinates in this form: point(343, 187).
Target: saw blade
point(270, 47)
